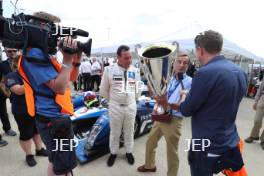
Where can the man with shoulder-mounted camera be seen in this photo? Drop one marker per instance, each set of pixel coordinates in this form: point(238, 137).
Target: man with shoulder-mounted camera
point(48, 99)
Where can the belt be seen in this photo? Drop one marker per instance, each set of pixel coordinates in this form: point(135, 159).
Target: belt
point(42, 119)
point(179, 117)
point(120, 103)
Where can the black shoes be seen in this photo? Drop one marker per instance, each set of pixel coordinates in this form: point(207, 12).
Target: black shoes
point(111, 160)
point(41, 152)
point(130, 158)
point(262, 145)
point(10, 133)
point(31, 160)
point(3, 143)
point(251, 139)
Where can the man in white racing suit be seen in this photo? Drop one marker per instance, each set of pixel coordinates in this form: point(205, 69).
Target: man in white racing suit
point(119, 86)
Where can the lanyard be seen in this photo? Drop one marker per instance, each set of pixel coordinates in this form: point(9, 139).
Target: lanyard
point(172, 90)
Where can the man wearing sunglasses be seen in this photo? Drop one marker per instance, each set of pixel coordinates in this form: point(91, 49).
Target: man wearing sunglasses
point(5, 68)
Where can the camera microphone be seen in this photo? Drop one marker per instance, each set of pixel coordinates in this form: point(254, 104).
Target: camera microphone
point(80, 32)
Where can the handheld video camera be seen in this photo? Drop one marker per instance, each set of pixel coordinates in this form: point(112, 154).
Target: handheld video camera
point(26, 31)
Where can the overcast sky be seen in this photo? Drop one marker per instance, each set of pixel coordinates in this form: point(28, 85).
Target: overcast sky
point(112, 22)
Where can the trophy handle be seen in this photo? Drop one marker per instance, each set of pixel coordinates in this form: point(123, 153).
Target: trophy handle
point(137, 46)
point(177, 45)
point(176, 52)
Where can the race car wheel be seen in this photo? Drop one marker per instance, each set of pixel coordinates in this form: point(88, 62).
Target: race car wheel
point(136, 128)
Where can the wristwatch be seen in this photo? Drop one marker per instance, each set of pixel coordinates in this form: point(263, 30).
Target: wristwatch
point(76, 64)
point(65, 65)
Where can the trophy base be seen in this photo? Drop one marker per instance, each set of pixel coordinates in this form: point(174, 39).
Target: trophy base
point(160, 115)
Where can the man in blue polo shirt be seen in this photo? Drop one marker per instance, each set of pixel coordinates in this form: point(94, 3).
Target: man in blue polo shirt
point(171, 130)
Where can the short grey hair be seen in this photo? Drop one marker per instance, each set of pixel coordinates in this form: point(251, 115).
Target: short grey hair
point(183, 52)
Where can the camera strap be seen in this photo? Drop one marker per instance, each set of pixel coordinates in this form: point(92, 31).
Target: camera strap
point(35, 92)
point(37, 61)
point(172, 90)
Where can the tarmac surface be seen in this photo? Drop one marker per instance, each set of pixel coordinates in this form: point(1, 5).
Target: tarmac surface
point(12, 159)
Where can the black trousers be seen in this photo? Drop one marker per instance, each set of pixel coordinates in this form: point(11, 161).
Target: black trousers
point(4, 115)
point(75, 85)
point(80, 82)
point(86, 81)
point(26, 126)
point(95, 79)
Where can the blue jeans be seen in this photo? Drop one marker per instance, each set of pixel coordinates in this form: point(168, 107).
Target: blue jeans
point(201, 164)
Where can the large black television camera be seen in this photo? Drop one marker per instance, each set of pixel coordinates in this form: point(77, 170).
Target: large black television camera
point(26, 31)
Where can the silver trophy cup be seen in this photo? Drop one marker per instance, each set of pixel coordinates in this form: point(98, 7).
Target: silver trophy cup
point(156, 62)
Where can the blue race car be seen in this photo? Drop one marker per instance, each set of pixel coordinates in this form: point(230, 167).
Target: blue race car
point(91, 126)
